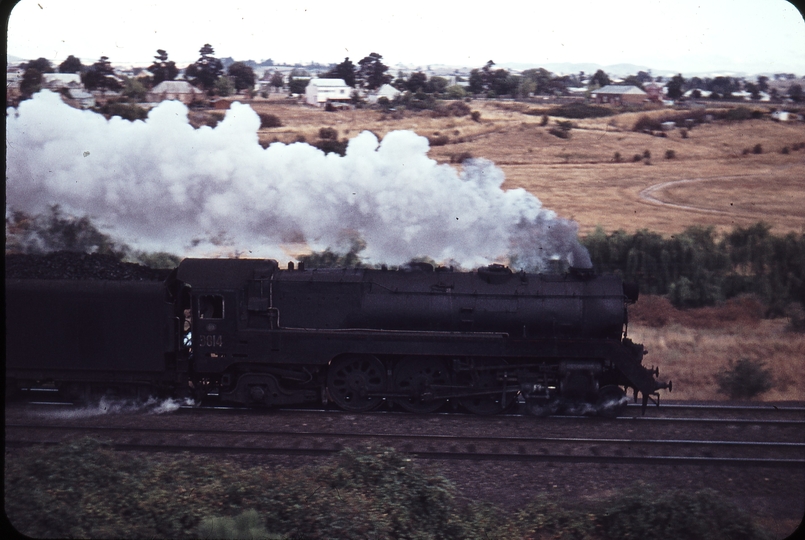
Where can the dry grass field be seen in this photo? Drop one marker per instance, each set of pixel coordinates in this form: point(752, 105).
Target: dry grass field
point(711, 181)
point(578, 177)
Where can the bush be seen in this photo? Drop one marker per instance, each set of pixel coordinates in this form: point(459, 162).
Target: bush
point(438, 140)
point(785, 150)
point(476, 116)
point(745, 379)
point(670, 154)
point(684, 133)
point(580, 110)
point(647, 123)
point(269, 120)
point(646, 154)
point(126, 111)
point(637, 157)
point(458, 108)
point(332, 145)
point(737, 114)
point(562, 129)
point(617, 157)
point(460, 158)
point(757, 149)
point(544, 120)
point(328, 133)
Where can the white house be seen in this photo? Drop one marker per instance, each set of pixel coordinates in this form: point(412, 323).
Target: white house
point(179, 90)
point(387, 91)
point(320, 91)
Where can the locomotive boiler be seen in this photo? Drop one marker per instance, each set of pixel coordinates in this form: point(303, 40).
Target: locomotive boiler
point(245, 331)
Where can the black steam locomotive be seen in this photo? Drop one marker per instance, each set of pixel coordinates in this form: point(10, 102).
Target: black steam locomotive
point(244, 331)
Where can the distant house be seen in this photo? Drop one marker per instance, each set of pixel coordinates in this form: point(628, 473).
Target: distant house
point(320, 91)
point(175, 90)
point(387, 91)
point(619, 95)
point(79, 99)
point(57, 81)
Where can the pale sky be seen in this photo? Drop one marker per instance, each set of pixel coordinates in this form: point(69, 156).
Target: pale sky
point(681, 35)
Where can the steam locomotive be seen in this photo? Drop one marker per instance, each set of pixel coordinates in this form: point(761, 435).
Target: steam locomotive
point(244, 331)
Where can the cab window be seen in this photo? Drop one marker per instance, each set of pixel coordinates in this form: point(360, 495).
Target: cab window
point(211, 306)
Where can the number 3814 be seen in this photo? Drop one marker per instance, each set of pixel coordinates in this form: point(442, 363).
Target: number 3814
point(210, 340)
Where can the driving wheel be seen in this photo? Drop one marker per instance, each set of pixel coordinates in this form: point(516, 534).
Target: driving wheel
point(356, 382)
point(417, 377)
point(491, 403)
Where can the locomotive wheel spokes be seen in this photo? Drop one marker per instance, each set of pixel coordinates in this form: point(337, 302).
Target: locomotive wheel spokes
point(355, 381)
point(495, 401)
point(611, 401)
point(416, 377)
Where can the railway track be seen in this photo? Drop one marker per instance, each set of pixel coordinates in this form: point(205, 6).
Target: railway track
point(759, 452)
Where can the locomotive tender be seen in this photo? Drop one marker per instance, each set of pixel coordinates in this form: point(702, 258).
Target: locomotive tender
point(250, 333)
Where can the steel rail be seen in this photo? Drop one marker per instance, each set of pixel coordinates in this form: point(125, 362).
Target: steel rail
point(464, 456)
point(417, 436)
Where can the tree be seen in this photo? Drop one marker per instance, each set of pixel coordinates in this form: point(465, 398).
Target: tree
point(795, 92)
point(416, 81)
point(162, 69)
point(101, 75)
point(296, 85)
point(31, 82)
point(277, 81)
point(224, 86)
point(476, 85)
point(242, 76)
point(206, 70)
point(600, 79)
point(42, 65)
point(71, 65)
point(634, 80)
point(135, 90)
point(372, 72)
point(345, 71)
point(436, 85)
point(763, 83)
point(675, 86)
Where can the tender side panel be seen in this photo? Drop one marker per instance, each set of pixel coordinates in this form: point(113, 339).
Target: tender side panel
point(58, 327)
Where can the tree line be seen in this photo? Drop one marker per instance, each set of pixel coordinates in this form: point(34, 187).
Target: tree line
point(700, 267)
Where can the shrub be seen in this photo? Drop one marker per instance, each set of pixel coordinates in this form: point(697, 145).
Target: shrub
point(745, 379)
point(269, 120)
point(647, 123)
point(328, 133)
point(544, 120)
point(670, 154)
point(738, 113)
point(476, 116)
point(332, 145)
point(785, 150)
point(562, 129)
point(684, 133)
point(757, 149)
point(617, 157)
point(126, 111)
point(460, 158)
point(580, 110)
point(438, 140)
point(636, 158)
point(458, 108)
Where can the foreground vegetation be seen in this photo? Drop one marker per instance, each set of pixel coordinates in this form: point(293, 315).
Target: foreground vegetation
point(83, 489)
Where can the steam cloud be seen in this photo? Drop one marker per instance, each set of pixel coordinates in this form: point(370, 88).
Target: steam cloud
point(161, 185)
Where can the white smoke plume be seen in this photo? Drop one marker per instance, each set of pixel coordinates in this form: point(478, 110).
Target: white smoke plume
point(161, 185)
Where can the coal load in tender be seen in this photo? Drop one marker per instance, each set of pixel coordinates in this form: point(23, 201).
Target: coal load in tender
point(79, 266)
